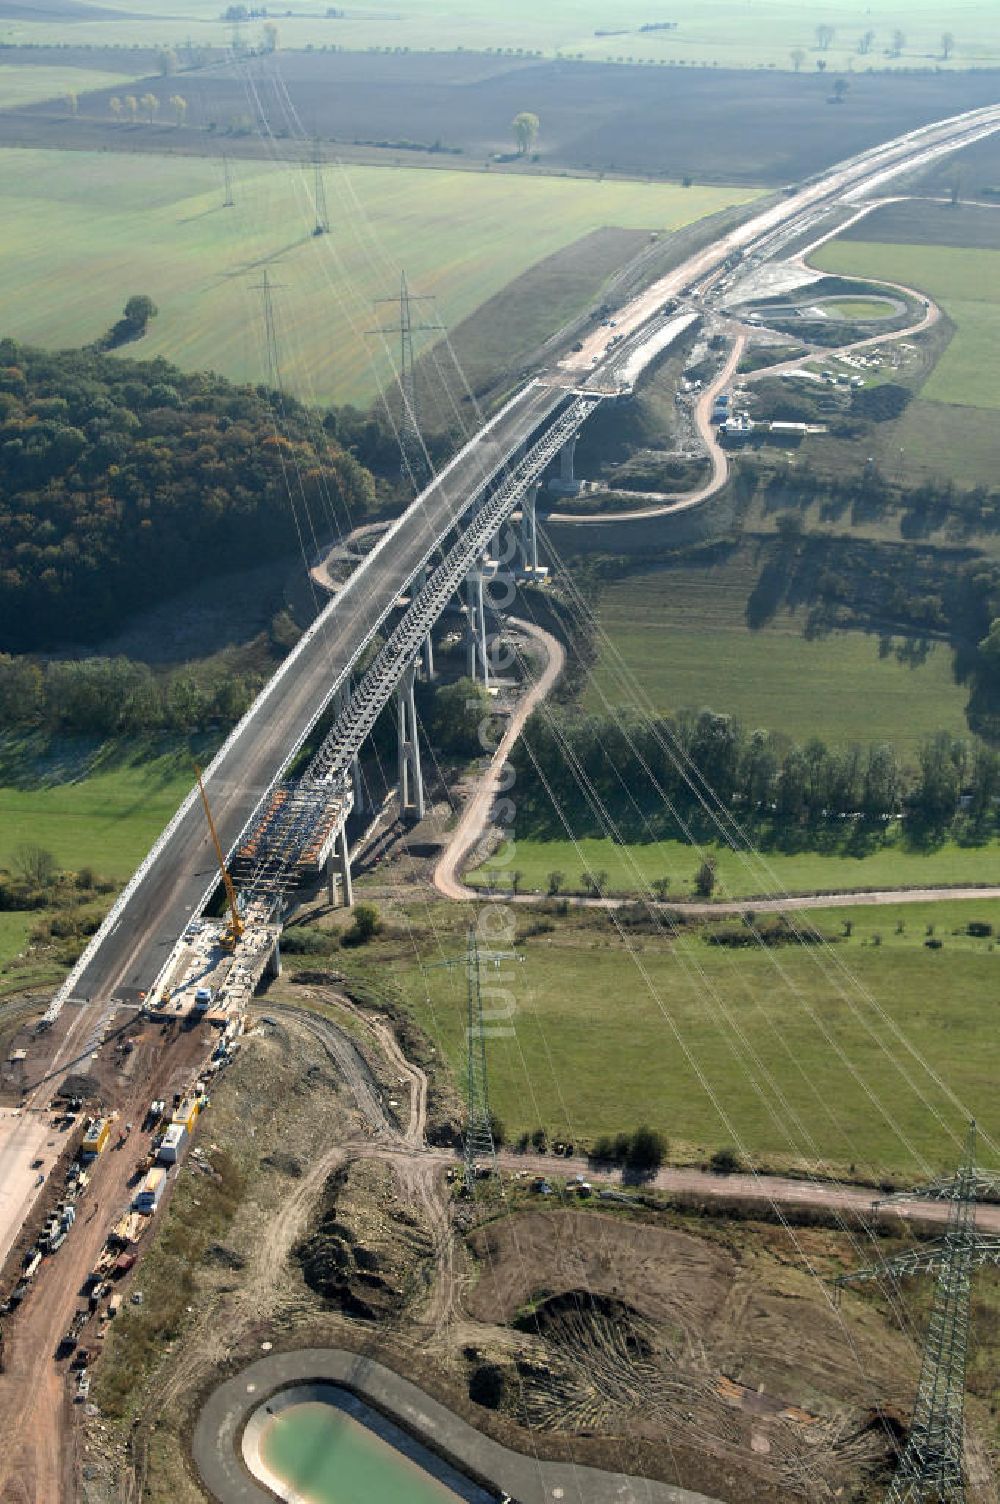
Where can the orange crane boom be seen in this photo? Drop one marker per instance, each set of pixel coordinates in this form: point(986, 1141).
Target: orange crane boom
point(236, 923)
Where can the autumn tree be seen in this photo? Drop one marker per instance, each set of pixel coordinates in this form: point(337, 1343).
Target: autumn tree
point(34, 864)
point(123, 478)
point(132, 105)
point(525, 127)
point(179, 106)
point(166, 61)
point(115, 106)
point(150, 105)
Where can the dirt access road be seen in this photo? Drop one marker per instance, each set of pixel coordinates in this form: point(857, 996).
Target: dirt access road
point(477, 812)
point(38, 1464)
point(765, 1191)
point(683, 501)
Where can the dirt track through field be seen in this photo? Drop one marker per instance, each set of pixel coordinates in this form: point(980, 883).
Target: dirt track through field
point(476, 814)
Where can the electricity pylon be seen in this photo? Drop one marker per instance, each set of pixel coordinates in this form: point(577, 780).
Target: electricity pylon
point(478, 1142)
point(322, 226)
point(413, 458)
point(265, 287)
point(930, 1469)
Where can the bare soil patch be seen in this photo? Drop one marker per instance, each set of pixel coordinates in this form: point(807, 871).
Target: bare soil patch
point(721, 1344)
point(929, 222)
point(368, 1250)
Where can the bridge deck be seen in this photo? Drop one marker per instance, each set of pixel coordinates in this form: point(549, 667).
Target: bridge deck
point(129, 956)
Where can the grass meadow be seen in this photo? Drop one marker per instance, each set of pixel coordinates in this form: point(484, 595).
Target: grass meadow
point(600, 1040)
point(683, 637)
point(84, 230)
point(13, 936)
point(26, 85)
point(722, 32)
point(632, 868)
point(104, 812)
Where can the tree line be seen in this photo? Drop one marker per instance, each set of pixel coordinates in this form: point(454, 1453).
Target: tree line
point(657, 777)
point(109, 697)
point(123, 481)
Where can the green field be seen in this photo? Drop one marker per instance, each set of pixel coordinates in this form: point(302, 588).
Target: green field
point(858, 308)
point(709, 31)
point(966, 284)
point(683, 636)
point(107, 820)
point(632, 868)
point(13, 935)
point(84, 230)
point(598, 1037)
point(25, 85)
point(933, 440)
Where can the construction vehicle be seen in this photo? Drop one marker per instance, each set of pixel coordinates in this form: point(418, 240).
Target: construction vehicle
point(233, 934)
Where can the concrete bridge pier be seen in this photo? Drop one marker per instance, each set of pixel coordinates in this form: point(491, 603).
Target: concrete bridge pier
point(338, 865)
point(527, 541)
point(340, 699)
point(428, 649)
point(411, 780)
point(566, 457)
point(274, 961)
point(475, 640)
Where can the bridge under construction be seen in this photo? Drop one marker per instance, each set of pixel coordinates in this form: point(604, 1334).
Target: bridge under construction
point(438, 549)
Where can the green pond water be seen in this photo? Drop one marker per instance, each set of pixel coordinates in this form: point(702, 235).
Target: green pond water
point(330, 1456)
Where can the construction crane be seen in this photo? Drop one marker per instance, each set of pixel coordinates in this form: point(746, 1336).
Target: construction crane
point(232, 936)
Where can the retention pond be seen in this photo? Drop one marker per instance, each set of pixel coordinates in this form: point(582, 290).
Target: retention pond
point(320, 1444)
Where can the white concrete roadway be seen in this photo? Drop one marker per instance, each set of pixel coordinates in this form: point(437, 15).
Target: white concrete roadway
point(24, 1138)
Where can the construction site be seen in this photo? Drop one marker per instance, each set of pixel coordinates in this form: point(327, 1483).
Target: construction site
point(257, 1209)
point(256, 1170)
point(562, 1315)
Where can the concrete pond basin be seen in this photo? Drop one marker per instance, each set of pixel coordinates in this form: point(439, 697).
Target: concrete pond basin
point(310, 1426)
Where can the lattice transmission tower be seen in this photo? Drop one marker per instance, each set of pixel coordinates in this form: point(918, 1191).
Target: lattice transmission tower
point(322, 225)
point(413, 458)
point(930, 1468)
point(265, 287)
point(478, 1144)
